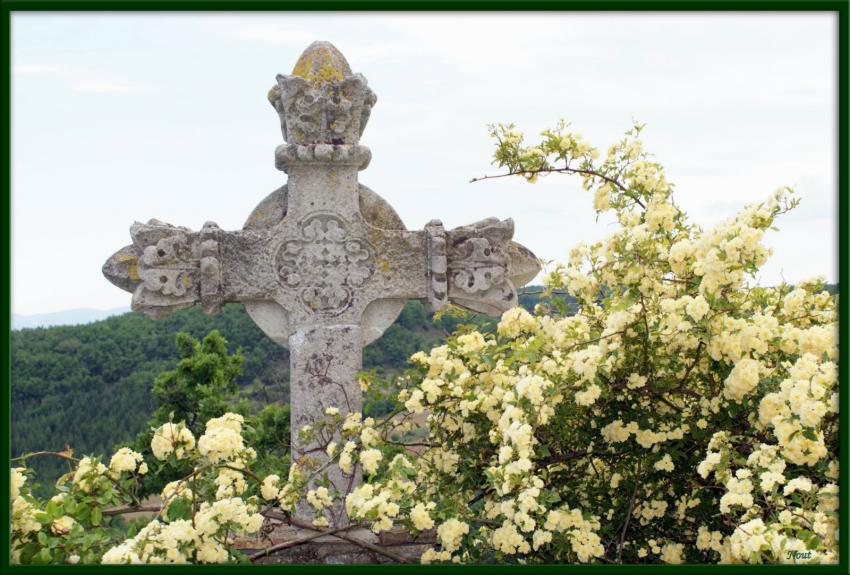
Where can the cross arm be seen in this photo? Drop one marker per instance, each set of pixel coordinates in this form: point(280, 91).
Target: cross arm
point(477, 266)
point(168, 268)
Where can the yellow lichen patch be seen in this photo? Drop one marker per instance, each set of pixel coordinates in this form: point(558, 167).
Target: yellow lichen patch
point(273, 95)
point(321, 63)
point(383, 265)
point(131, 264)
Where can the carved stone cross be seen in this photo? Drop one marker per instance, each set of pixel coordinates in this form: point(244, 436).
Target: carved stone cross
point(323, 265)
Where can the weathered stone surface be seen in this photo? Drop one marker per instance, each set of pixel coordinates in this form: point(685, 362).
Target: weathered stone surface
point(324, 363)
point(323, 264)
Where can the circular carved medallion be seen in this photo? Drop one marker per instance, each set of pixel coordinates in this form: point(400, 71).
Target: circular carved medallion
point(325, 264)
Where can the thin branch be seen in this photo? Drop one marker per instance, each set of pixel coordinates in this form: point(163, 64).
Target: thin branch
point(132, 509)
point(365, 544)
point(337, 532)
point(295, 542)
point(611, 181)
point(628, 514)
point(62, 454)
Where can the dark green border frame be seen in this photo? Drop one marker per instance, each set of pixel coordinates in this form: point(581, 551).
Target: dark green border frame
point(841, 7)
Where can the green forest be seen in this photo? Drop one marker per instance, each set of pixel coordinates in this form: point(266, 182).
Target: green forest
point(90, 387)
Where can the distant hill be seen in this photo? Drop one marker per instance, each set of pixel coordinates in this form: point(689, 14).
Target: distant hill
point(90, 385)
point(76, 316)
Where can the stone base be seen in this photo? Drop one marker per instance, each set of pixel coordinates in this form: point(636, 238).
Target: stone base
point(331, 550)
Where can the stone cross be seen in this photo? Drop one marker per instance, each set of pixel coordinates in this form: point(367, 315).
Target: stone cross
point(323, 264)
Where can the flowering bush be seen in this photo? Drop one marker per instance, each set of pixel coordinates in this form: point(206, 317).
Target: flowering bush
point(197, 521)
point(677, 413)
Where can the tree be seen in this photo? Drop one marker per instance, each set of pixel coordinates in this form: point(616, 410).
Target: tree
point(201, 385)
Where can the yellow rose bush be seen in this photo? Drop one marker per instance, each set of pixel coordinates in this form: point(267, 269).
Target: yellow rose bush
point(71, 526)
point(197, 522)
point(676, 413)
point(679, 413)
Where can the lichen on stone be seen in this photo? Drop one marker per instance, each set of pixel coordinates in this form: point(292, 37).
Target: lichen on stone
point(321, 63)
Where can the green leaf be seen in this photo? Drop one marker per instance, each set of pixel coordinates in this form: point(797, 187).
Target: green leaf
point(42, 517)
point(81, 510)
point(179, 508)
point(43, 556)
point(96, 516)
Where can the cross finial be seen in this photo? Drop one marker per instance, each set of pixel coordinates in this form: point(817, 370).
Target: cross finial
point(321, 63)
point(322, 101)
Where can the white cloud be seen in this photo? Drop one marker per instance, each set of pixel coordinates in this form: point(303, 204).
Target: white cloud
point(104, 88)
point(79, 80)
point(268, 34)
point(28, 70)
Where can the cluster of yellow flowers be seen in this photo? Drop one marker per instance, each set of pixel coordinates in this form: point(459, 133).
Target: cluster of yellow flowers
point(52, 524)
point(172, 438)
point(376, 505)
point(797, 410)
point(23, 511)
point(380, 502)
point(90, 474)
point(181, 541)
point(222, 440)
point(156, 543)
point(207, 537)
point(125, 459)
point(803, 517)
point(288, 494)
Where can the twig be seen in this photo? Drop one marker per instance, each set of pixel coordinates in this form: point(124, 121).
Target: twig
point(563, 171)
point(335, 532)
point(287, 544)
point(365, 544)
point(132, 509)
point(62, 454)
point(628, 514)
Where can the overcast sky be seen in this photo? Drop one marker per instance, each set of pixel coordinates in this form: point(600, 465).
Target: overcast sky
point(124, 117)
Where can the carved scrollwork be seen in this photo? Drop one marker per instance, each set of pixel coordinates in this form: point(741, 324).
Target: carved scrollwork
point(438, 291)
point(210, 268)
point(325, 264)
point(481, 268)
point(169, 268)
point(481, 262)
